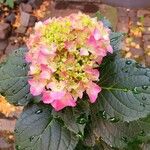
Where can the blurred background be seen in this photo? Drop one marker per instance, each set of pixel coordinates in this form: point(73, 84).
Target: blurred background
point(17, 19)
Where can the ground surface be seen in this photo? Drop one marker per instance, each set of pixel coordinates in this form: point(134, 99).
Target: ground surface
point(16, 25)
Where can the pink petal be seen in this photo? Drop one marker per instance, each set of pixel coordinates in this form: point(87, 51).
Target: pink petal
point(110, 49)
point(92, 41)
point(53, 49)
point(92, 91)
point(70, 46)
point(84, 52)
point(101, 52)
point(36, 87)
point(28, 57)
point(34, 69)
point(99, 59)
point(96, 34)
point(38, 25)
point(47, 98)
point(42, 59)
point(46, 72)
point(93, 73)
point(45, 50)
point(57, 95)
point(67, 100)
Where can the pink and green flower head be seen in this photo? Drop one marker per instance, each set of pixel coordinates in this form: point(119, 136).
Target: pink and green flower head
point(64, 56)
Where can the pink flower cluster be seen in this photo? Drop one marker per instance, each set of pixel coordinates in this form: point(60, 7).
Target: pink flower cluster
point(64, 54)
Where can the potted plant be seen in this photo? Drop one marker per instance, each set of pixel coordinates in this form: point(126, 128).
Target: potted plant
point(78, 93)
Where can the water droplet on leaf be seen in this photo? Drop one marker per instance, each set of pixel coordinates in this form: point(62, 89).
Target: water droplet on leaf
point(128, 62)
point(125, 69)
point(39, 111)
point(124, 139)
point(137, 65)
point(31, 138)
point(144, 98)
point(26, 97)
point(125, 90)
point(18, 147)
point(82, 119)
point(13, 91)
point(79, 135)
point(113, 119)
point(144, 87)
point(142, 104)
point(16, 131)
point(102, 114)
point(135, 90)
point(142, 132)
point(24, 65)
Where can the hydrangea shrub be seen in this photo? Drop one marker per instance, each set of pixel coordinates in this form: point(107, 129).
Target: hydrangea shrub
point(78, 93)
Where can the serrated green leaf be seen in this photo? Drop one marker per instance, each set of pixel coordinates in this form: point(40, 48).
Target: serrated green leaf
point(105, 21)
point(122, 135)
point(125, 89)
point(115, 40)
point(36, 129)
point(76, 118)
point(10, 3)
point(13, 78)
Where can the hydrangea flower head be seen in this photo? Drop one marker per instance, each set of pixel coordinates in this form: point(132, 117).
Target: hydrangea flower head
point(64, 56)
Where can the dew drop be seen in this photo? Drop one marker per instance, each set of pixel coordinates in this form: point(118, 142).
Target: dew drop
point(128, 62)
point(144, 98)
point(142, 104)
point(31, 138)
point(102, 114)
point(82, 119)
point(79, 135)
point(135, 90)
point(142, 132)
point(125, 90)
point(16, 131)
point(18, 147)
point(124, 139)
point(39, 111)
point(144, 87)
point(26, 97)
point(13, 91)
point(147, 73)
point(125, 70)
point(137, 65)
point(113, 119)
point(24, 65)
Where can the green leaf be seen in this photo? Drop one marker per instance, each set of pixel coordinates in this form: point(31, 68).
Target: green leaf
point(125, 89)
point(1, 1)
point(105, 21)
point(123, 134)
point(13, 78)
point(36, 129)
point(120, 134)
point(76, 118)
point(10, 3)
point(115, 40)
point(115, 37)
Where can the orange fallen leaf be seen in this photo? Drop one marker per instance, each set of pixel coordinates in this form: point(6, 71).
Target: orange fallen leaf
point(5, 107)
